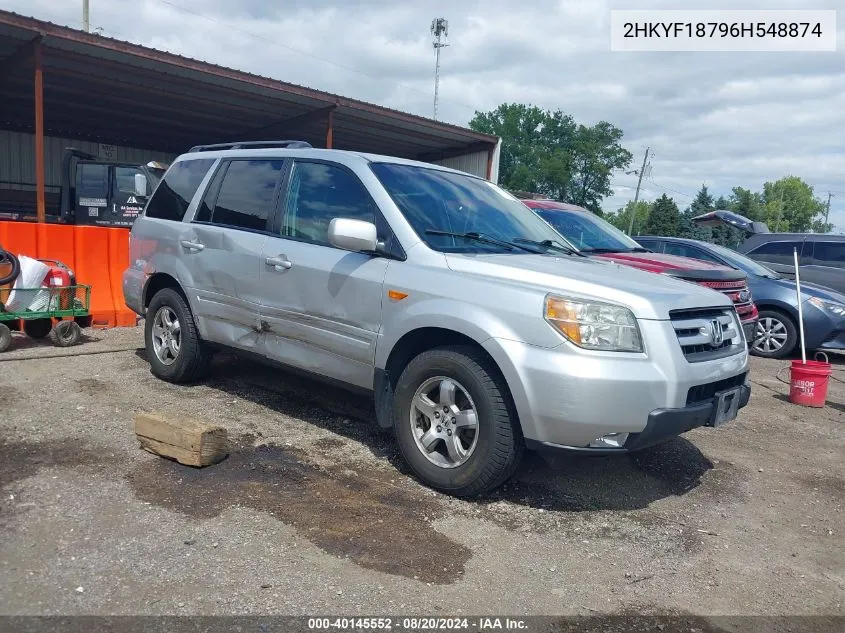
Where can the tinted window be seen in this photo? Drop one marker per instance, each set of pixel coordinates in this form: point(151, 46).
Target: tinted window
point(245, 199)
point(776, 252)
point(829, 254)
point(683, 250)
point(318, 193)
point(651, 245)
point(431, 199)
point(124, 178)
point(93, 181)
point(173, 195)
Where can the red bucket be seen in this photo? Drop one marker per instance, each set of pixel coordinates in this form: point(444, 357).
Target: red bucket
point(808, 382)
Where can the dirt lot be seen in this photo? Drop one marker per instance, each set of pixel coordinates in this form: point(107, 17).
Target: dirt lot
point(313, 512)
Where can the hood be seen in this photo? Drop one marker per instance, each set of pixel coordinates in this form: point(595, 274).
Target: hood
point(729, 218)
point(809, 290)
point(649, 296)
point(683, 267)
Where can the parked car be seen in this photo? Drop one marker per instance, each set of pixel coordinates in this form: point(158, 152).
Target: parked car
point(776, 299)
point(477, 332)
point(597, 237)
point(821, 256)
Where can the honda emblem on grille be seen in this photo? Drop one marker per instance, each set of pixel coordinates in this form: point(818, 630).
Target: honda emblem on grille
point(717, 334)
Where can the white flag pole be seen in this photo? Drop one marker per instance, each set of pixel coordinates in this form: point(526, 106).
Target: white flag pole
point(800, 310)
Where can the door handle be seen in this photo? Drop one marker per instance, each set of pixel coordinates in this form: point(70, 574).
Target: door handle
point(279, 263)
point(192, 246)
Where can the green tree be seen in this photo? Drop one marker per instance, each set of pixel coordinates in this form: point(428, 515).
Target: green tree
point(664, 219)
point(746, 203)
point(622, 217)
point(546, 152)
point(790, 205)
point(702, 203)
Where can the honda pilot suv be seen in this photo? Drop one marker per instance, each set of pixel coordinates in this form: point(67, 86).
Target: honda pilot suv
point(477, 331)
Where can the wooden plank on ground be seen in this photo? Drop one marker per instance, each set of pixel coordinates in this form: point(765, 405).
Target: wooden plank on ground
point(188, 441)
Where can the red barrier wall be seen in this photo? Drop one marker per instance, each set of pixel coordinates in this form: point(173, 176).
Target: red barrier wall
point(97, 255)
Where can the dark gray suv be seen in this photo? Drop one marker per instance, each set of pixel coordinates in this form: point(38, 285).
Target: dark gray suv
point(821, 256)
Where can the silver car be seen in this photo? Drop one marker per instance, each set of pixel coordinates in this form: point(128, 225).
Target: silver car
point(477, 331)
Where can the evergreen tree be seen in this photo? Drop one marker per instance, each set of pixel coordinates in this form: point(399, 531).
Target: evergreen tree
point(664, 219)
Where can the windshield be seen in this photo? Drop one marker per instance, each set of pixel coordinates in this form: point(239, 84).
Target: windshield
point(440, 201)
point(744, 263)
point(588, 232)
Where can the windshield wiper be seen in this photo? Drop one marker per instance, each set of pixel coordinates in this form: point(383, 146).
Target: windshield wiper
point(480, 237)
point(550, 245)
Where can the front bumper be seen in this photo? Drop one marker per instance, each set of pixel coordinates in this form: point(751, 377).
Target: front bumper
point(662, 424)
point(569, 397)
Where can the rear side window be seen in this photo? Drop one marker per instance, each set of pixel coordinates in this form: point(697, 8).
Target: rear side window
point(830, 254)
point(173, 195)
point(651, 245)
point(776, 252)
point(246, 194)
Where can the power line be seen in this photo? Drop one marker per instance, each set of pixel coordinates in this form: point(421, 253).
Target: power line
point(680, 193)
point(258, 36)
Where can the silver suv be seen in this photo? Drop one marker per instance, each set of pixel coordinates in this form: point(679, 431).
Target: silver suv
point(477, 331)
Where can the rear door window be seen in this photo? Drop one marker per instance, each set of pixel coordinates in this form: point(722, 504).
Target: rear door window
point(173, 195)
point(776, 252)
point(246, 196)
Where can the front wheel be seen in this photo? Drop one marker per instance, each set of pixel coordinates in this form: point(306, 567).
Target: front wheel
point(775, 335)
point(454, 422)
point(5, 337)
point(66, 333)
point(174, 348)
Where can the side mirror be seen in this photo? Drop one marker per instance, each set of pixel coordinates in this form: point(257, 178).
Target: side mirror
point(140, 185)
point(353, 235)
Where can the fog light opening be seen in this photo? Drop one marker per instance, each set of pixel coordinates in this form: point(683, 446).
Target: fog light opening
point(611, 440)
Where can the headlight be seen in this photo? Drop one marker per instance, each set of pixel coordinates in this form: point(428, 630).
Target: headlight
point(594, 325)
point(829, 306)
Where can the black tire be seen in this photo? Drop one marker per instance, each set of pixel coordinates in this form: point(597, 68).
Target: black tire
point(194, 358)
point(499, 444)
point(5, 337)
point(788, 326)
point(66, 334)
point(37, 328)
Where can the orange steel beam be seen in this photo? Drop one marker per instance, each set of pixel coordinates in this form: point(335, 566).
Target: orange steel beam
point(39, 134)
point(330, 129)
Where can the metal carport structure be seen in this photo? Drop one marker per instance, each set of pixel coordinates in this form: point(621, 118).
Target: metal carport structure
point(61, 82)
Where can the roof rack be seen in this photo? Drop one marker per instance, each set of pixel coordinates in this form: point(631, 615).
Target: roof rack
point(251, 144)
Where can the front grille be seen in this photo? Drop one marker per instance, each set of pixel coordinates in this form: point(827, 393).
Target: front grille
point(695, 332)
point(734, 291)
point(703, 393)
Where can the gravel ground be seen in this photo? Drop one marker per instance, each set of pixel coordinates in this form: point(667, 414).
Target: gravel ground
point(314, 512)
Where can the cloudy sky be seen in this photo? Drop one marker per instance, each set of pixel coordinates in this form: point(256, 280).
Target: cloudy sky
point(724, 119)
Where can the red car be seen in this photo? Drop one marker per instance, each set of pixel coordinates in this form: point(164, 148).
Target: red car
point(596, 237)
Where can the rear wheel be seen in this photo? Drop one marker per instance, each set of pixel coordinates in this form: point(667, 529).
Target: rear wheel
point(775, 335)
point(454, 422)
point(37, 328)
point(174, 348)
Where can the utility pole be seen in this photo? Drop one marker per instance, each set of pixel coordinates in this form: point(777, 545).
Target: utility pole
point(780, 211)
point(439, 31)
point(86, 24)
point(827, 211)
point(637, 194)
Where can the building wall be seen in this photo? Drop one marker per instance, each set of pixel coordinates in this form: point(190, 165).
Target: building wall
point(17, 158)
point(475, 163)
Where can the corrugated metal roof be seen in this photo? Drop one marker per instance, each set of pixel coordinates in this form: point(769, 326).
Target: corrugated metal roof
point(109, 90)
